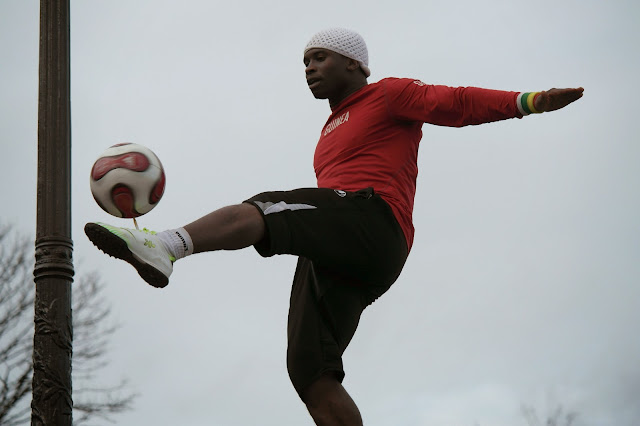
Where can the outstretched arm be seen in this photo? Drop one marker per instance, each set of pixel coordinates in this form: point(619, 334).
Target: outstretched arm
point(554, 99)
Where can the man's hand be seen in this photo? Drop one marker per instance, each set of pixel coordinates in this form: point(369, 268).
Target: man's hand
point(554, 99)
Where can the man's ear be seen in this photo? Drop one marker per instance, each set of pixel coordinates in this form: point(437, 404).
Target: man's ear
point(353, 65)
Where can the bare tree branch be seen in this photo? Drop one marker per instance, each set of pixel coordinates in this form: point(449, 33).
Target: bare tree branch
point(557, 418)
point(92, 331)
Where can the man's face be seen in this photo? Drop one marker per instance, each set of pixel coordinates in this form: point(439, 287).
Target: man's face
point(326, 72)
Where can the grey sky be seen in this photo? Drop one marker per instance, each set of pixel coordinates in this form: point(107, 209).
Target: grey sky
point(523, 285)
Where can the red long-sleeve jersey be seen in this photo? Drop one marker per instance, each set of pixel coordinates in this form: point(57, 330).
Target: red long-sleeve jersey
point(371, 138)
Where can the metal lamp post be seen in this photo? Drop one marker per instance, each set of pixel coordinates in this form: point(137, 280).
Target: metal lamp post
point(53, 272)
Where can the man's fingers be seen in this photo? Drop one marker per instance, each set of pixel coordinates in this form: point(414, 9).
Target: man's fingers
point(566, 96)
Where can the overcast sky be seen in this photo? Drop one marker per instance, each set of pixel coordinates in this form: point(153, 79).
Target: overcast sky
point(523, 285)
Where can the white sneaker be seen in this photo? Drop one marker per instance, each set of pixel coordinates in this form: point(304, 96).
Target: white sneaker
point(141, 248)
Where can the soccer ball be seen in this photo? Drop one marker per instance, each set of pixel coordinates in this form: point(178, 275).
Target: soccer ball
point(127, 180)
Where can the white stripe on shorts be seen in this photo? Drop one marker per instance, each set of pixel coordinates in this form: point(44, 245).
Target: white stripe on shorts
point(269, 207)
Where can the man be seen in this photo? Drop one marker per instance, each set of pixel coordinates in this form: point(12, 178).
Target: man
point(353, 233)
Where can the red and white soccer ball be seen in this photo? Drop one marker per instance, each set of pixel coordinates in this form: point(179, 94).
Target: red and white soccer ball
point(127, 180)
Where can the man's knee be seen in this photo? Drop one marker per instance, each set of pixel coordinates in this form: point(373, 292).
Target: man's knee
point(329, 403)
point(321, 389)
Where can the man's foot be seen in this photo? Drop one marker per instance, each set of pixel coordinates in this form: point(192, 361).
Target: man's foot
point(141, 248)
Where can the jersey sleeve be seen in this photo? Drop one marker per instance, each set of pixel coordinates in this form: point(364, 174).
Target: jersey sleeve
point(413, 100)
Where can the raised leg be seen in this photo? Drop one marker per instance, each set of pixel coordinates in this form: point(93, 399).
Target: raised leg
point(229, 228)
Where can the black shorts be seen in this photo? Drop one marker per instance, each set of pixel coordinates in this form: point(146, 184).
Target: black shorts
point(351, 249)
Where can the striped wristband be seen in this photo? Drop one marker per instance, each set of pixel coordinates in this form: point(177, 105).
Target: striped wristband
point(525, 103)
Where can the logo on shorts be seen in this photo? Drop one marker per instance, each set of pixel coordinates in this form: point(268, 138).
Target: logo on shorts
point(340, 192)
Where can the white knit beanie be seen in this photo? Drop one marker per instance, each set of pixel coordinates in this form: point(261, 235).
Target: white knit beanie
point(345, 42)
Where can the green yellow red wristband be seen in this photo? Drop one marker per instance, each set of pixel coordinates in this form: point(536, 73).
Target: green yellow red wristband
point(525, 103)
